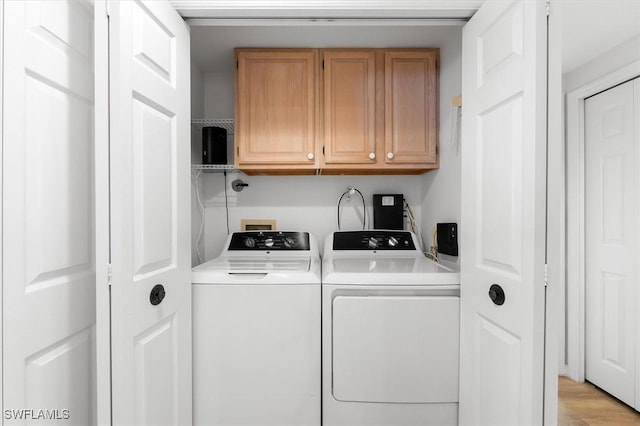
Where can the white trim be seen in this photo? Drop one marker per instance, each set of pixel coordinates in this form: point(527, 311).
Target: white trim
point(554, 335)
point(101, 179)
point(575, 213)
point(324, 22)
point(326, 8)
point(637, 253)
point(1, 202)
point(328, 4)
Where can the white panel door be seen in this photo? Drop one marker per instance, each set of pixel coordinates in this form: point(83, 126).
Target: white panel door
point(503, 214)
point(48, 228)
point(611, 246)
point(150, 214)
point(386, 349)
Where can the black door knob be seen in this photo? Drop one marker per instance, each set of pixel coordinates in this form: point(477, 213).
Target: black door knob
point(496, 294)
point(157, 294)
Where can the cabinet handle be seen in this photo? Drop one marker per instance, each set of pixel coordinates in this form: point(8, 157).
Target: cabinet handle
point(372, 156)
point(310, 156)
point(390, 155)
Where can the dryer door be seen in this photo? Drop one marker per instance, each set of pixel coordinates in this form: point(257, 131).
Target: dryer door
point(396, 349)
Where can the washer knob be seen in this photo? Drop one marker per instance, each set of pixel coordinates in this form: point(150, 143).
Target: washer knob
point(392, 241)
point(373, 243)
point(289, 242)
point(269, 242)
point(250, 242)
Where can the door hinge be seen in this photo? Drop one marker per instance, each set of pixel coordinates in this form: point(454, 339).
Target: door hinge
point(548, 7)
point(546, 275)
point(323, 64)
point(322, 149)
point(109, 274)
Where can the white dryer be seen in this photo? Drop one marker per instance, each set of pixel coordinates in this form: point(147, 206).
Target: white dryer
point(256, 332)
point(390, 332)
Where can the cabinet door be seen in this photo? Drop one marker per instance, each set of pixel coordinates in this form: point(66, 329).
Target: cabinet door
point(275, 107)
point(410, 106)
point(349, 106)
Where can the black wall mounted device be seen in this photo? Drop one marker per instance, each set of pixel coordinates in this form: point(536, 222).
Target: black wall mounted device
point(388, 211)
point(447, 238)
point(214, 145)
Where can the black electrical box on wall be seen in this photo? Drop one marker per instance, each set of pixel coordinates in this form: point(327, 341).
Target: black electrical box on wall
point(447, 238)
point(388, 211)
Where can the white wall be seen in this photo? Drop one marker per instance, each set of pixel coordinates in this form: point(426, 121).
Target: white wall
point(197, 111)
point(309, 202)
point(306, 203)
point(440, 190)
point(613, 60)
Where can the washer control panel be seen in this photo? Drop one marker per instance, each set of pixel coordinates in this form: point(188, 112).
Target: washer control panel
point(269, 240)
point(373, 240)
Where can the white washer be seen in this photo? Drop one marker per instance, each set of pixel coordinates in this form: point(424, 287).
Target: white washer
point(256, 332)
point(390, 332)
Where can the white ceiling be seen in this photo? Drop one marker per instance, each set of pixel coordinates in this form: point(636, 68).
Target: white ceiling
point(589, 27)
point(592, 27)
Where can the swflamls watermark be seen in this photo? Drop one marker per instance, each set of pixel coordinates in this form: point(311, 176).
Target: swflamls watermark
point(37, 414)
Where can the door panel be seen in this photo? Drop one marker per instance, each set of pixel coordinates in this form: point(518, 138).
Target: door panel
point(411, 89)
point(500, 180)
point(153, 192)
point(276, 107)
point(611, 232)
point(150, 218)
point(503, 214)
point(386, 349)
point(48, 228)
point(155, 368)
point(349, 106)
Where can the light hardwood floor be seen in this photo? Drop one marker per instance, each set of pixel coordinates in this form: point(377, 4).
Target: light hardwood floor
point(582, 404)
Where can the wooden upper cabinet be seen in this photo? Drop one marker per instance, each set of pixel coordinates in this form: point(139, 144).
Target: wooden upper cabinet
point(369, 111)
point(411, 88)
point(349, 106)
point(275, 111)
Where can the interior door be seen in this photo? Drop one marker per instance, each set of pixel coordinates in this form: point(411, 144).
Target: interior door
point(503, 214)
point(611, 232)
point(47, 234)
point(150, 214)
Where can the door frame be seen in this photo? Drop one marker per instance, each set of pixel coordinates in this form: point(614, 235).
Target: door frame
point(102, 208)
point(575, 221)
point(1, 203)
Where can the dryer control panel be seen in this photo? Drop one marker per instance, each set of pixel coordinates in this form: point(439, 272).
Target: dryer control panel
point(269, 240)
point(373, 240)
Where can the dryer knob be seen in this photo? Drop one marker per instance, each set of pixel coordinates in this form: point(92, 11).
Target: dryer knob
point(268, 242)
point(373, 243)
point(392, 242)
